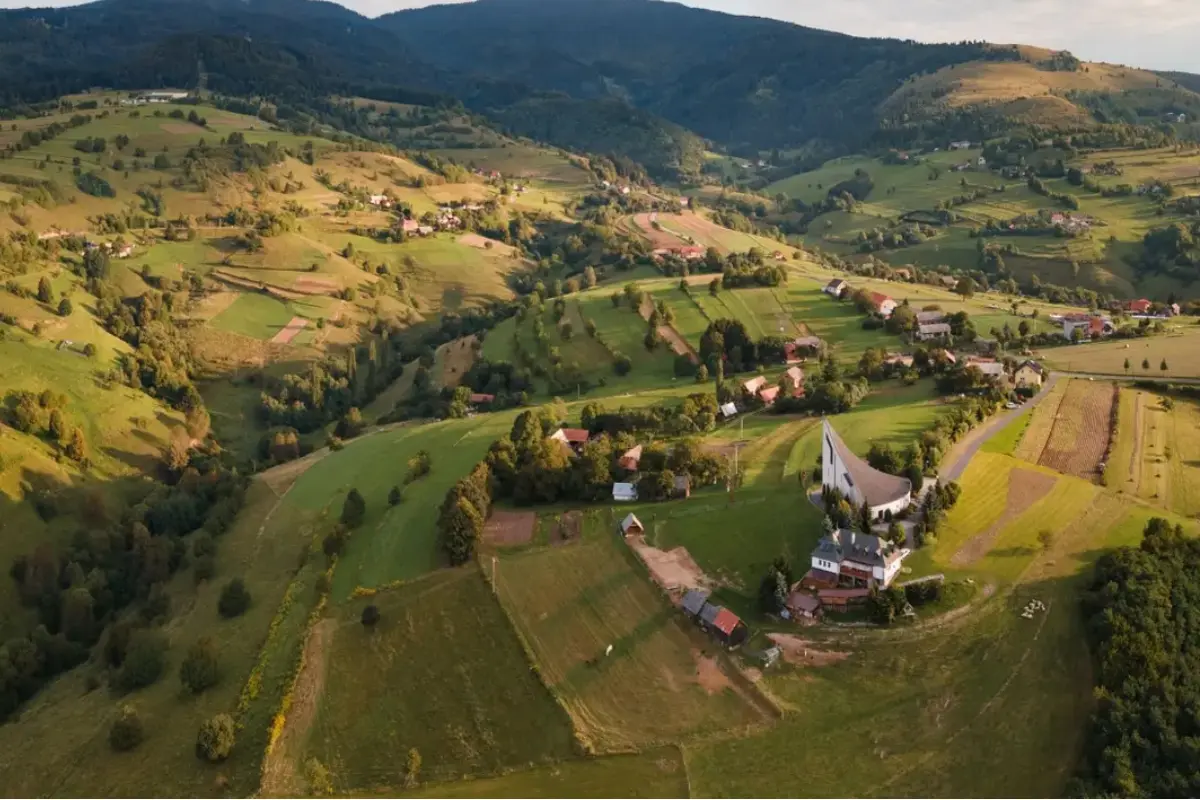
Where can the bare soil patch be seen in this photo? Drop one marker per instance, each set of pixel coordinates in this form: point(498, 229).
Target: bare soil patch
point(657, 236)
point(709, 674)
point(802, 652)
point(315, 285)
point(290, 331)
point(674, 570)
point(457, 358)
point(280, 777)
point(1081, 430)
point(183, 128)
point(508, 528)
point(1025, 487)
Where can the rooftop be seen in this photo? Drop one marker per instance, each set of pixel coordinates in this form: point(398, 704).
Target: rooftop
point(862, 548)
point(877, 488)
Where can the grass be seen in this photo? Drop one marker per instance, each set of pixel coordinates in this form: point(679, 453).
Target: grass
point(569, 603)
point(1006, 441)
point(62, 738)
point(259, 316)
point(400, 542)
point(655, 773)
point(440, 673)
point(1164, 472)
point(1108, 358)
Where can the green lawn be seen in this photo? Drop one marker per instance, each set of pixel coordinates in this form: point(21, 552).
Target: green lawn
point(440, 673)
point(261, 316)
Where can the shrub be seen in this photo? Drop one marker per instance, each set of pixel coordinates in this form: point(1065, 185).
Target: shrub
point(200, 669)
point(235, 599)
point(126, 732)
point(354, 509)
point(216, 738)
point(145, 659)
point(204, 568)
point(370, 616)
point(395, 496)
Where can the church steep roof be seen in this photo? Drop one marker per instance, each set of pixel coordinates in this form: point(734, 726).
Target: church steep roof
point(875, 487)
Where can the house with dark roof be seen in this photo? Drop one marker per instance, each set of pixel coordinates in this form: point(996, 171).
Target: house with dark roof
point(836, 287)
point(858, 559)
point(932, 330)
point(1029, 375)
point(803, 605)
point(858, 481)
point(683, 486)
point(693, 601)
point(930, 317)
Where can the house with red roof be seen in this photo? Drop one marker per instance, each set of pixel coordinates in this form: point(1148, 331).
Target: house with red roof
point(768, 396)
point(479, 398)
point(794, 378)
point(1141, 306)
point(882, 303)
point(572, 438)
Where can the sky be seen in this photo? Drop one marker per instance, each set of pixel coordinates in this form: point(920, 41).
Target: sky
point(1155, 34)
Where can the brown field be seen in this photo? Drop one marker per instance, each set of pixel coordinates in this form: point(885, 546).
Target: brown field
point(507, 528)
point(456, 358)
point(315, 286)
point(1080, 435)
point(1033, 443)
point(657, 238)
point(1108, 358)
point(290, 331)
point(674, 570)
point(1025, 487)
point(482, 242)
point(182, 128)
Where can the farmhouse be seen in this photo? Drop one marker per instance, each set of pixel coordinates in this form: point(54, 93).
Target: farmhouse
point(836, 288)
point(480, 398)
point(768, 396)
point(625, 492)
point(991, 369)
point(409, 226)
point(380, 201)
point(930, 317)
point(852, 559)
point(960, 145)
point(572, 438)
point(799, 348)
point(754, 385)
point(892, 359)
point(630, 459)
point(631, 526)
point(882, 303)
point(688, 253)
point(1091, 327)
point(932, 330)
point(794, 379)
point(1141, 306)
point(1029, 375)
point(859, 481)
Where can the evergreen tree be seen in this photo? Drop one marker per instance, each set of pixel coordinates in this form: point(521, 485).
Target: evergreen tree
point(45, 293)
point(354, 509)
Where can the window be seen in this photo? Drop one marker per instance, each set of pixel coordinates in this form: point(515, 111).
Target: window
point(849, 480)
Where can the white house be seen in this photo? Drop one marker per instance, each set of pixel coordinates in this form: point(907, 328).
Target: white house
point(836, 288)
point(380, 201)
point(859, 481)
point(851, 558)
point(960, 145)
point(625, 492)
point(729, 410)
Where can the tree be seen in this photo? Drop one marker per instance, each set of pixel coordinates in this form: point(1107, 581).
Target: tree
point(460, 528)
point(412, 768)
point(701, 374)
point(354, 509)
point(127, 731)
point(58, 426)
point(216, 738)
point(714, 286)
point(370, 616)
point(145, 659)
point(895, 534)
point(395, 496)
point(201, 667)
point(45, 292)
point(1023, 328)
point(966, 287)
point(1163, 366)
point(64, 307)
point(1127, 366)
point(76, 447)
point(1146, 364)
point(589, 277)
point(1045, 539)
point(234, 599)
point(197, 422)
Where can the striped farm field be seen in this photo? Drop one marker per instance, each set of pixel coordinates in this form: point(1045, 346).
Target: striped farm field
point(1079, 436)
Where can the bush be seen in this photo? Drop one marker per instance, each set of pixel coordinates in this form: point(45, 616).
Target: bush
point(353, 509)
point(370, 616)
point(395, 496)
point(200, 669)
point(145, 659)
point(235, 599)
point(204, 568)
point(216, 738)
point(126, 732)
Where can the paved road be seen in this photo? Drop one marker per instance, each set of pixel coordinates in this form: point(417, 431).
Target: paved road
point(1154, 378)
point(961, 454)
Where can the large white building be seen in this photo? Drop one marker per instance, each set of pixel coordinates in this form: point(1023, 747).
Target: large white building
point(851, 558)
point(859, 481)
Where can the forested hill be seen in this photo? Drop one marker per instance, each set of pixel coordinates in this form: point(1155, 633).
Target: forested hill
point(745, 82)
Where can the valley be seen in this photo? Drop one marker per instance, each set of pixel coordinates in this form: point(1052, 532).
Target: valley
point(383, 418)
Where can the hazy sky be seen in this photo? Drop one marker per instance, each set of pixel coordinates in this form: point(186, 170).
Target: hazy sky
point(1160, 34)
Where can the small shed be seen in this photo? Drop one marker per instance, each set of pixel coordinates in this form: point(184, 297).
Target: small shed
point(803, 604)
point(631, 526)
point(624, 492)
point(683, 486)
point(729, 628)
point(729, 410)
point(694, 601)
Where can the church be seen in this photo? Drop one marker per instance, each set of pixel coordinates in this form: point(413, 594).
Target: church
point(859, 481)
